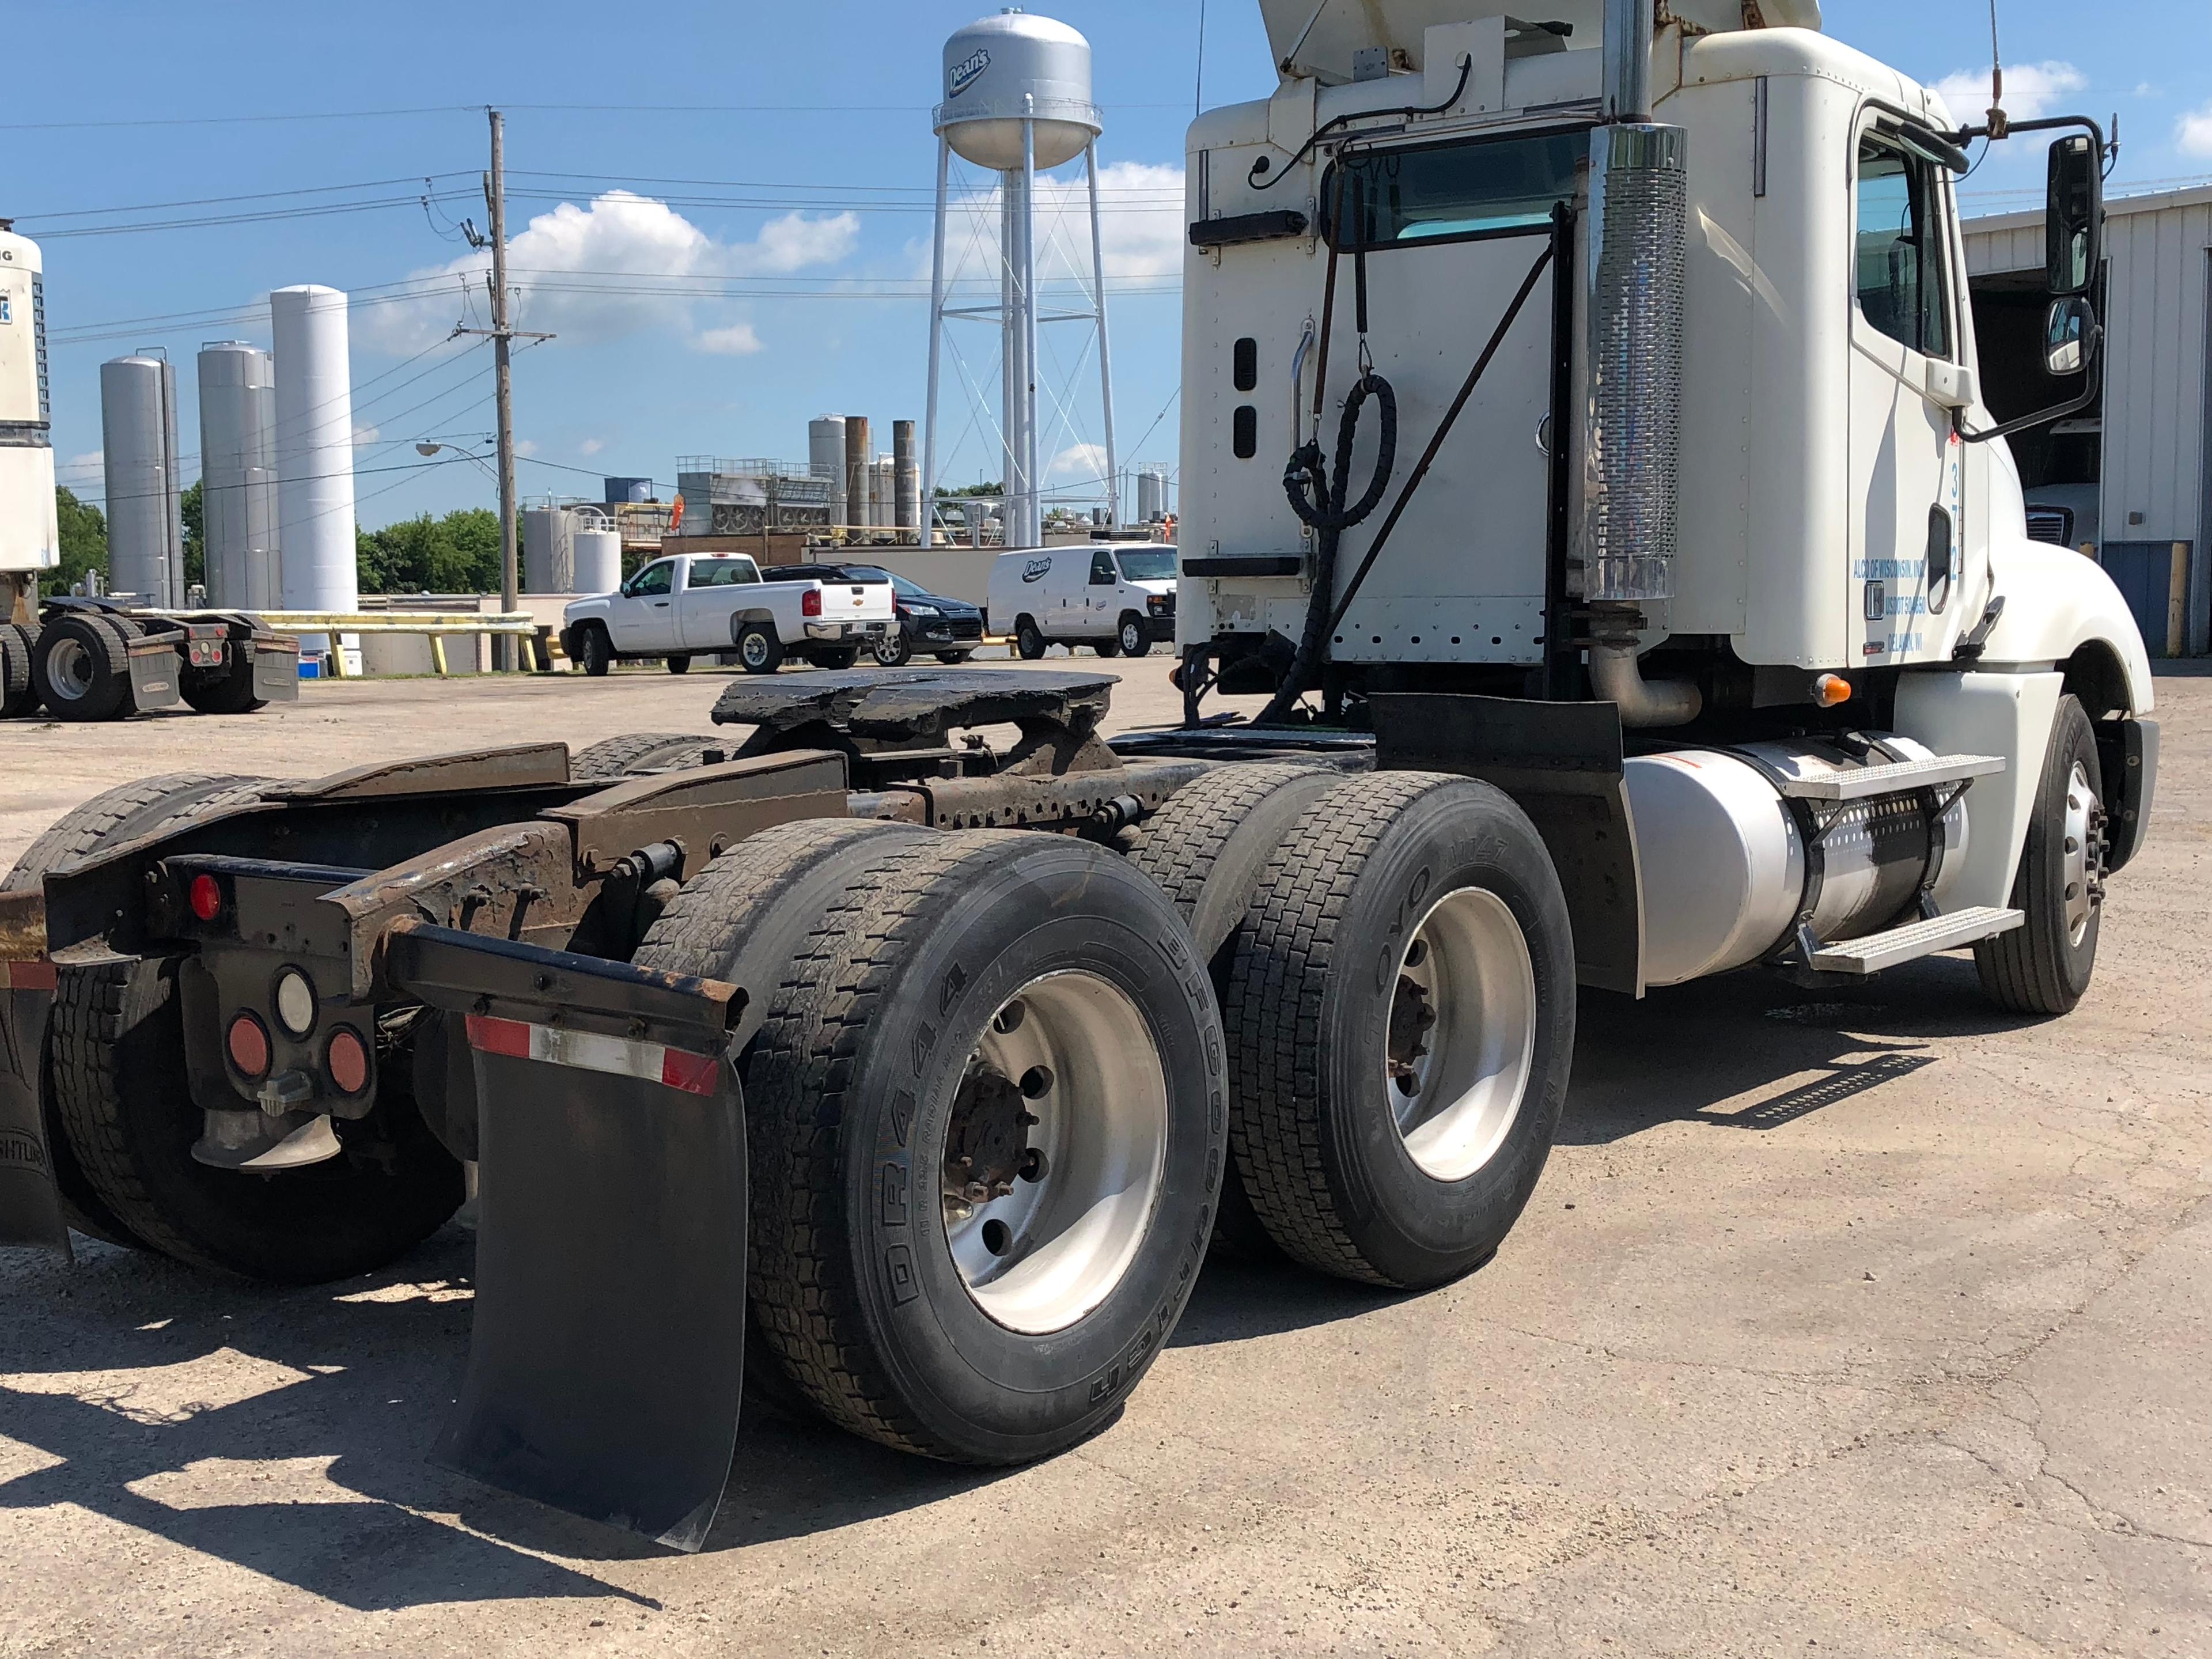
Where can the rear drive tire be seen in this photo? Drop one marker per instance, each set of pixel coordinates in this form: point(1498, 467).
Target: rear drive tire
point(1410, 928)
point(836, 657)
point(760, 650)
point(83, 669)
point(1109, 647)
point(954, 659)
point(679, 664)
point(1028, 643)
point(884, 1056)
point(595, 652)
point(228, 692)
point(119, 815)
point(17, 695)
point(636, 752)
point(1132, 637)
point(2045, 965)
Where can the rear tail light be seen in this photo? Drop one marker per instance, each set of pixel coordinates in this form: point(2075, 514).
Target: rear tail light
point(809, 602)
point(249, 1047)
point(347, 1061)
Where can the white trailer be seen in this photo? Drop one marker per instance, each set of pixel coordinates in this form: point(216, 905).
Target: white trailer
point(1664, 608)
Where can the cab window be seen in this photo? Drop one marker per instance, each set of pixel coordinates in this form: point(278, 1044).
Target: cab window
point(1898, 252)
point(1452, 192)
point(651, 581)
point(1102, 573)
point(722, 572)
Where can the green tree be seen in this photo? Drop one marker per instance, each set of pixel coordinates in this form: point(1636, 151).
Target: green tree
point(457, 554)
point(84, 542)
point(195, 517)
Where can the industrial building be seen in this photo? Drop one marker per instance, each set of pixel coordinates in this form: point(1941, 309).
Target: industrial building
point(2129, 479)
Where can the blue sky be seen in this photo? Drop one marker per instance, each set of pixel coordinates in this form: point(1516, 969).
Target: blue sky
point(725, 208)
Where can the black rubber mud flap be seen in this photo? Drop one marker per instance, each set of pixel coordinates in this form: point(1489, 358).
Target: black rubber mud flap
point(30, 1201)
point(30, 1198)
point(607, 1361)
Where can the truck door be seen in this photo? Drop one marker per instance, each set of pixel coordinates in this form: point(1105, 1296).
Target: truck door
point(1908, 499)
point(643, 619)
point(1101, 594)
point(713, 589)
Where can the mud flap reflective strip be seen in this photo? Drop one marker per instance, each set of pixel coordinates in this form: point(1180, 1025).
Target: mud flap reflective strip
point(30, 1201)
point(558, 1045)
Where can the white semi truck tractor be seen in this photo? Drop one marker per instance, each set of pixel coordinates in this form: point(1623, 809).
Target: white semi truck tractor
point(1581, 450)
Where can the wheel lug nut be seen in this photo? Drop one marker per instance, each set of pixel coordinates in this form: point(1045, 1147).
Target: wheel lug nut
point(975, 1192)
point(1027, 1120)
point(1037, 1082)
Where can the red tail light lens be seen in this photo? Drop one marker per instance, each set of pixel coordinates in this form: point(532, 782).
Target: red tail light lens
point(809, 602)
point(249, 1047)
point(347, 1061)
point(205, 896)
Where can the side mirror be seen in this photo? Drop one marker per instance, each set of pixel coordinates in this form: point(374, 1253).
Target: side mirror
point(2069, 336)
point(2073, 215)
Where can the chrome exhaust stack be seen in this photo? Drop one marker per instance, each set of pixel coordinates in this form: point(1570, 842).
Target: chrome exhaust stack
point(1633, 319)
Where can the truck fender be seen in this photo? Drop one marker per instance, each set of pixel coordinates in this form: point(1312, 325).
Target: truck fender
point(2061, 607)
point(30, 1197)
point(740, 619)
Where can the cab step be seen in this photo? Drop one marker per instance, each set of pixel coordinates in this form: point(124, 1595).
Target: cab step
point(1892, 778)
point(1876, 952)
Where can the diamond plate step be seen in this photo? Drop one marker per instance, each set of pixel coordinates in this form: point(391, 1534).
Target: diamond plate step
point(1915, 940)
point(1892, 778)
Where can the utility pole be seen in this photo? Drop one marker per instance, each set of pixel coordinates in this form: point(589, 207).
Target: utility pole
point(510, 585)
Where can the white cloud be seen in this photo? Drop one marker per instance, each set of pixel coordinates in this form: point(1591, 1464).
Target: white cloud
point(1078, 463)
point(2030, 90)
point(88, 472)
point(1140, 225)
point(364, 435)
point(524, 447)
point(2192, 132)
point(620, 264)
point(590, 447)
point(738, 340)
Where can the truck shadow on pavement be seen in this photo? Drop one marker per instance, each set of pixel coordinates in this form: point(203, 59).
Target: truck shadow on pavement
point(288, 1432)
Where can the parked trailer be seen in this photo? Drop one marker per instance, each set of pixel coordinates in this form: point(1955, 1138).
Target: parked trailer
point(98, 660)
point(982, 1095)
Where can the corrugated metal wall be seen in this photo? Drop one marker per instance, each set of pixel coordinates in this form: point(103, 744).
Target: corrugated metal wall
point(2158, 367)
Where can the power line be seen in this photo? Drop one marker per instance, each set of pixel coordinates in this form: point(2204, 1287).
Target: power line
point(256, 195)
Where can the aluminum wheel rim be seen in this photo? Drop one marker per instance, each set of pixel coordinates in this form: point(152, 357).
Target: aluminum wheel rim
point(1132, 637)
point(1042, 1253)
point(1457, 1079)
point(69, 670)
point(2080, 896)
point(753, 650)
point(888, 652)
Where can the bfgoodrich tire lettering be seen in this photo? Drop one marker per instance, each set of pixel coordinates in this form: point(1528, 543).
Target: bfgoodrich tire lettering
point(850, 1086)
point(1308, 1008)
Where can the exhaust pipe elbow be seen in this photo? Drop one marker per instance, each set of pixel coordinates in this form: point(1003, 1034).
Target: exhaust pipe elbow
point(1618, 678)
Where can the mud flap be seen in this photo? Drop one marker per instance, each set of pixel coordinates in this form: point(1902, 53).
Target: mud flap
point(607, 1362)
point(30, 1201)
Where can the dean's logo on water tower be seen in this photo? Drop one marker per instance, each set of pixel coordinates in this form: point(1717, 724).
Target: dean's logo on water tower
point(965, 73)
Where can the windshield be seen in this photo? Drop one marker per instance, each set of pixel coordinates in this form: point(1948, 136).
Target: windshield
point(1154, 564)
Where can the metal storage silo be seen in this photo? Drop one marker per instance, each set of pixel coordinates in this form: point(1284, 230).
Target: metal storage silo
point(598, 553)
point(138, 440)
point(825, 459)
point(549, 550)
point(883, 503)
point(906, 481)
point(1152, 494)
point(238, 475)
point(858, 471)
point(314, 455)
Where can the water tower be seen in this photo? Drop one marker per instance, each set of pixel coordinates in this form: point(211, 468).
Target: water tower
point(1017, 101)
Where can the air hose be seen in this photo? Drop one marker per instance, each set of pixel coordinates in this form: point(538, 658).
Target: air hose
point(1318, 499)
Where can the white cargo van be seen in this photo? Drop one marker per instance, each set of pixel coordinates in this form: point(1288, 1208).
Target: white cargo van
point(1116, 598)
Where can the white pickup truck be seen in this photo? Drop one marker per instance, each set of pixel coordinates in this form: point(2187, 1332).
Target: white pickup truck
point(698, 603)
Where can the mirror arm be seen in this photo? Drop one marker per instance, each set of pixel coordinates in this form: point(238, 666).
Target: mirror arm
point(2093, 385)
point(2045, 124)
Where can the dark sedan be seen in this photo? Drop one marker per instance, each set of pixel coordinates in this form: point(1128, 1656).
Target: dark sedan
point(949, 628)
